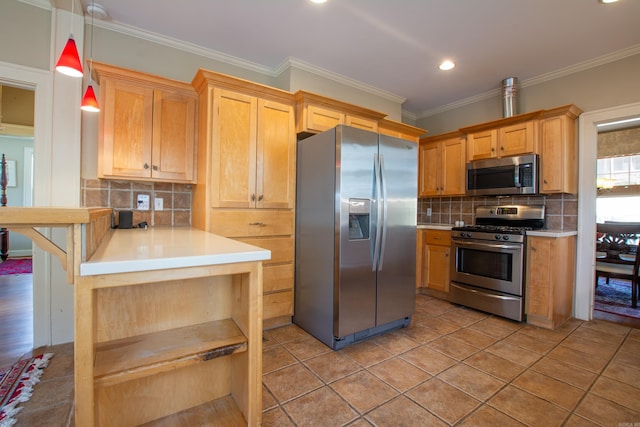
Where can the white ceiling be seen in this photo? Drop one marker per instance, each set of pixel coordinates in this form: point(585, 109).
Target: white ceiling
point(396, 45)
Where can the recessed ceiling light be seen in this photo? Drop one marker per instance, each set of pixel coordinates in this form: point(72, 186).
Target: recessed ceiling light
point(318, 1)
point(608, 1)
point(446, 65)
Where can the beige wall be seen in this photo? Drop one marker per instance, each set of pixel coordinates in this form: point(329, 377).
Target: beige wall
point(25, 33)
point(608, 85)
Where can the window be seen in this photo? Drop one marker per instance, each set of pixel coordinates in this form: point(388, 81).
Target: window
point(618, 209)
point(621, 170)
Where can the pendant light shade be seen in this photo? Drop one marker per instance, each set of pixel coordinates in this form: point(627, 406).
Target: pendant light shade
point(69, 61)
point(90, 102)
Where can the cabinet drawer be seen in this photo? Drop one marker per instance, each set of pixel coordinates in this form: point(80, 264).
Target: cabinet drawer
point(438, 237)
point(281, 247)
point(252, 222)
point(277, 277)
point(278, 304)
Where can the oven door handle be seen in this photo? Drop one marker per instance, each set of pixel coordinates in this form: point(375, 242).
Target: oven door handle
point(487, 245)
point(487, 294)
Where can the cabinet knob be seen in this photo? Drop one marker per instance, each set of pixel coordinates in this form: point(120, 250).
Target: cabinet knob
point(253, 197)
point(501, 148)
point(493, 149)
point(154, 167)
point(260, 224)
point(260, 198)
point(146, 165)
point(545, 181)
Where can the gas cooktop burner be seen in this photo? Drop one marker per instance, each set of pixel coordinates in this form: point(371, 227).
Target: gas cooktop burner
point(507, 223)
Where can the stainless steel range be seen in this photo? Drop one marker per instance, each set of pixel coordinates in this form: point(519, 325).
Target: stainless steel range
point(488, 259)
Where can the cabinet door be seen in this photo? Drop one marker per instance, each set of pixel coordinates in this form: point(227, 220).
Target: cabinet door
point(517, 139)
point(320, 119)
point(361, 123)
point(438, 267)
point(126, 137)
point(558, 166)
point(173, 136)
point(482, 145)
point(429, 174)
point(233, 150)
point(453, 167)
point(538, 298)
point(276, 156)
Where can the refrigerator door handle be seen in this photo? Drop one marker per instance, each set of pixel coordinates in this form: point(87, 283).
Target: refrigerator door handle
point(376, 243)
point(383, 242)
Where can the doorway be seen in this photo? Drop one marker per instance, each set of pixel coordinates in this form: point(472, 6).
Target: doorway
point(586, 245)
point(38, 81)
point(16, 280)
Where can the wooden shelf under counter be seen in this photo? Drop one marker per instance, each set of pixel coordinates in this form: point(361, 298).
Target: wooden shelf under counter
point(168, 320)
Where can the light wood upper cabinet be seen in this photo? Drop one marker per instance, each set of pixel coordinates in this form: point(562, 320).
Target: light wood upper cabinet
point(147, 127)
point(482, 145)
point(319, 119)
point(400, 130)
point(517, 139)
point(559, 150)
point(173, 148)
point(361, 123)
point(316, 113)
point(253, 152)
point(512, 140)
point(442, 165)
point(505, 137)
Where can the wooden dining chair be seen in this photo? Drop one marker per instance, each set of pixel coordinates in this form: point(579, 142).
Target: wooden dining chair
point(614, 266)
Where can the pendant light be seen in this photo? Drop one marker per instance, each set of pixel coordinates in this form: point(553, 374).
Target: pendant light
point(89, 101)
point(69, 61)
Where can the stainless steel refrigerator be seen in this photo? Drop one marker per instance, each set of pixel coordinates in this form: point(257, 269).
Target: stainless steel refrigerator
point(355, 234)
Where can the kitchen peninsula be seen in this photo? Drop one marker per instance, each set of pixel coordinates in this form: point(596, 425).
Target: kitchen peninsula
point(166, 319)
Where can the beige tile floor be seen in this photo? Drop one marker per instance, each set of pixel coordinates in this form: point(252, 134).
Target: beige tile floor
point(452, 366)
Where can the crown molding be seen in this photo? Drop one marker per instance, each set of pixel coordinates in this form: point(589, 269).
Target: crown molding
point(562, 72)
point(291, 62)
point(43, 4)
point(180, 45)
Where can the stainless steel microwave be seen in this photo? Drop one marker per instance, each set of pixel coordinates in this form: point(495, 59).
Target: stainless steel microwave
point(505, 176)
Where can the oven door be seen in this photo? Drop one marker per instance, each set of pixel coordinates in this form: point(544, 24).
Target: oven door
point(491, 265)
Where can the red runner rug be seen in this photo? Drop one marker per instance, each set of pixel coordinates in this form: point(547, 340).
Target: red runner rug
point(16, 385)
point(16, 266)
point(615, 297)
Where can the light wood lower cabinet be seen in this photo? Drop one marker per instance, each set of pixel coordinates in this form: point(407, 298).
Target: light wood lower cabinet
point(273, 230)
point(549, 280)
point(436, 259)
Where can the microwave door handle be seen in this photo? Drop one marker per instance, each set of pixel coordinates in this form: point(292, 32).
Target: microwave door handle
point(516, 177)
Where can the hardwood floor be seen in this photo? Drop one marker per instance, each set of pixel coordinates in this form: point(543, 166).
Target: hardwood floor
point(16, 317)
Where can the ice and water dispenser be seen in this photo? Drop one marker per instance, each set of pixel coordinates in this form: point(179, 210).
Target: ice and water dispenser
point(359, 218)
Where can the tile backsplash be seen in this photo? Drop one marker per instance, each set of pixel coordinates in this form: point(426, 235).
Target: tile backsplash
point(561, 211)
point(123, 195)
